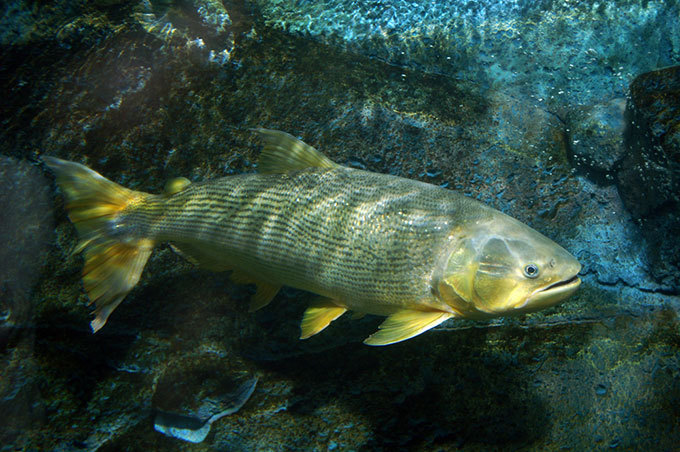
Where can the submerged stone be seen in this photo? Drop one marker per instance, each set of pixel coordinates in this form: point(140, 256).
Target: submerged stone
point(560, 51)
point(596, 139)
point(649, 179)
point(196, 428)
point(26, 228)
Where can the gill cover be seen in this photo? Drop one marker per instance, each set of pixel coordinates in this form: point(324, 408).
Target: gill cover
point(456, 287)
point(497, 282)
point(482, 276)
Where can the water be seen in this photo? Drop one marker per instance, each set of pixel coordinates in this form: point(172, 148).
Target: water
point(539, 109)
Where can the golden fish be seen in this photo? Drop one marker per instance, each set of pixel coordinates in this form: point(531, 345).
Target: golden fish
point(366, 242)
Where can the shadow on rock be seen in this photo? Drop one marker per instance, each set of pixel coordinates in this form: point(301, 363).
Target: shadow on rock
point(453, 394)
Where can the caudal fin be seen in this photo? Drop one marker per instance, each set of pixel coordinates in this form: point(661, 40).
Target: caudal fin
point(113, 260)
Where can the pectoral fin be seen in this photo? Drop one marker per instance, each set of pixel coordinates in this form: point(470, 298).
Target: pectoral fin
point(318, 316)
point(406, 324)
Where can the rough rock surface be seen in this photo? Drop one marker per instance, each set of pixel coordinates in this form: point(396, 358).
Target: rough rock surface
point(26, 229)
point(649, 180)
point(559, 51)
point(596, 142)
point(147, 91)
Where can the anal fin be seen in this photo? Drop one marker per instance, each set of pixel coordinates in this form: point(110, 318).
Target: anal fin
point(318, 316)
point(264, 292)
point(263, 295)
point(406, 324)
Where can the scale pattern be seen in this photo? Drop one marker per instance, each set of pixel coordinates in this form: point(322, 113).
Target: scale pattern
point(369, 241)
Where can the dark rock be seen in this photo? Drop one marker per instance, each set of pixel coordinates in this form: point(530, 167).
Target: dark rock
point(596, 139)
point(649, 180)
point(26, 227)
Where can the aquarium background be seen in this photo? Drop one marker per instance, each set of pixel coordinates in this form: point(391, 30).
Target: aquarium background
point(563, 114)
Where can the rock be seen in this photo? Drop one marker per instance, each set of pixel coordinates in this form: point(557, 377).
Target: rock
point(26, 229)
point(183, 334)
point(195, 427)
point(561, 52)
point(649, 179)
point(596, 139)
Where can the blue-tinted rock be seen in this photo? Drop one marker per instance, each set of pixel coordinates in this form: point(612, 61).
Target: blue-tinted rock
point(649, 180)
point(561, 52)
point(596, 139)
point(132, 90)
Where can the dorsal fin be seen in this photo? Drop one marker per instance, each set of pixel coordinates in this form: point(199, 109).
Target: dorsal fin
point(176, 185)
point(283, 152)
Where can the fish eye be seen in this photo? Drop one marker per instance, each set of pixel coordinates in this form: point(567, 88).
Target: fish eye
point(531, 271)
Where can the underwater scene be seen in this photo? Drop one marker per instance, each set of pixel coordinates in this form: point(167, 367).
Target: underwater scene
point(340, 225)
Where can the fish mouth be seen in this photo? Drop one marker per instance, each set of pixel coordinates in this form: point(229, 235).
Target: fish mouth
point(566, 284)
point(552, 294)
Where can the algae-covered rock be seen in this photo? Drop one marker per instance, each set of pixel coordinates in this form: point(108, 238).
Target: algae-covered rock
point(559, 51)
point(596, 139)
point(147, 91)
point(649, 180)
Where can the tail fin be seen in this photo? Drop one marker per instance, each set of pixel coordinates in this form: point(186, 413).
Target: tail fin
point(113, 260)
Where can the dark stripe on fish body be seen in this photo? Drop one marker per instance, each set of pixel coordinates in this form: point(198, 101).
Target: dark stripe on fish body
point(348, 234)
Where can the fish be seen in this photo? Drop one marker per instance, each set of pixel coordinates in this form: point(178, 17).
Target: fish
point(362, 241)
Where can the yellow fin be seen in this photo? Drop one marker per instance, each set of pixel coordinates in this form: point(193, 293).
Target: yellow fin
point(176, 185)
point(113, 261)
point(264, 294)
point(111, 270)
point(406, 324)
point(283, 152)
point(318, 316)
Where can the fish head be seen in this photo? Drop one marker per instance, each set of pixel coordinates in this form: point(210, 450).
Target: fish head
point(503, 267)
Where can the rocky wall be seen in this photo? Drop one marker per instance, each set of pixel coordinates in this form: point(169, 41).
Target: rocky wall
point(143, 92)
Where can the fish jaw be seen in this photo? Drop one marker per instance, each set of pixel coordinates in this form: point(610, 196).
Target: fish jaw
point(550, 295)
